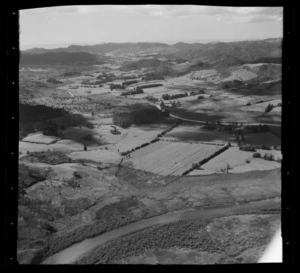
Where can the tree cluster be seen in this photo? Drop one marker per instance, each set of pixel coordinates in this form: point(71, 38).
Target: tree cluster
point(247, 148)
point(152, 99)
point(116, 86)
point(35, 113)
point(126, 83)
point(133, 92)
point(269, 108)
point(150, 85)
point(143, 116)
point(175, 96)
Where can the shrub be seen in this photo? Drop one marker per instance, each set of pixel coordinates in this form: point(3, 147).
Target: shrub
point(269, 157)
point(257, 155)
point(265, 147)
point(73, 183)
point(195, 165)
point(269, 108)
point(115, 132)
point(77, 175)
point(247, 148)
point(151, 98)
point(210, 125)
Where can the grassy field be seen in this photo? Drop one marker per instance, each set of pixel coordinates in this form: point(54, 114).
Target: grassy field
point(237, 161)
point(173, 158)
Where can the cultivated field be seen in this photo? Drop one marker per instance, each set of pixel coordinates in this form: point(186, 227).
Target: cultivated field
point(238, 161)
point(172, 158)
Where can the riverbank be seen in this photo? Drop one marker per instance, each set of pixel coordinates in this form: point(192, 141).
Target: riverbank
point(77, 251)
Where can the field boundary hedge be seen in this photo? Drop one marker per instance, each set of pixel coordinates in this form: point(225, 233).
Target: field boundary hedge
point(157, 138)
point(205, 160)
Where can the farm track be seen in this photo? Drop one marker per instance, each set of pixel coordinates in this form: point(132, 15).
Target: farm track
point(222, 123)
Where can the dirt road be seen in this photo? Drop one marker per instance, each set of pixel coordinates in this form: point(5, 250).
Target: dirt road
point(225, 123)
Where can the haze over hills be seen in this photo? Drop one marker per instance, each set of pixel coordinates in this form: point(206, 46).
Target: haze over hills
point(216, 54)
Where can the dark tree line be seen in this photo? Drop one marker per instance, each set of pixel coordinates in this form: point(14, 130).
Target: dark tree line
point(133, 92)
point(175, 96)
point(35, 113)
point(150, 85)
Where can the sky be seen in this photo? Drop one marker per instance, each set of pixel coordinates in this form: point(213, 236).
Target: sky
point(64, 25)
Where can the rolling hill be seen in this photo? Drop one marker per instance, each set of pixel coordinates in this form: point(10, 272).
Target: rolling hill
point(50, 58)
point(227, 54)
point(217, 55)
point(254, 72)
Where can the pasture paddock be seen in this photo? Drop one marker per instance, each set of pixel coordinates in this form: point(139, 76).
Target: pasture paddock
point(171, 158)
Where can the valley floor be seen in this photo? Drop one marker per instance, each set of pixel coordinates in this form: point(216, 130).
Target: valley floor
point(169, 191)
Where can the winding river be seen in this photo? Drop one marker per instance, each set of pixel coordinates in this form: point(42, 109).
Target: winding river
point(76, 251)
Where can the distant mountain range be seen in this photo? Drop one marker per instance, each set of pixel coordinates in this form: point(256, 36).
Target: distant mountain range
point(215, 54)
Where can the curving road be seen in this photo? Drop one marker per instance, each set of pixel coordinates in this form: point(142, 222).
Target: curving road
point(77, 251)
point(225, 122)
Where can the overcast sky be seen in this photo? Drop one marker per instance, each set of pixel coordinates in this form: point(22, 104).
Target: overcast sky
point(57, 26)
